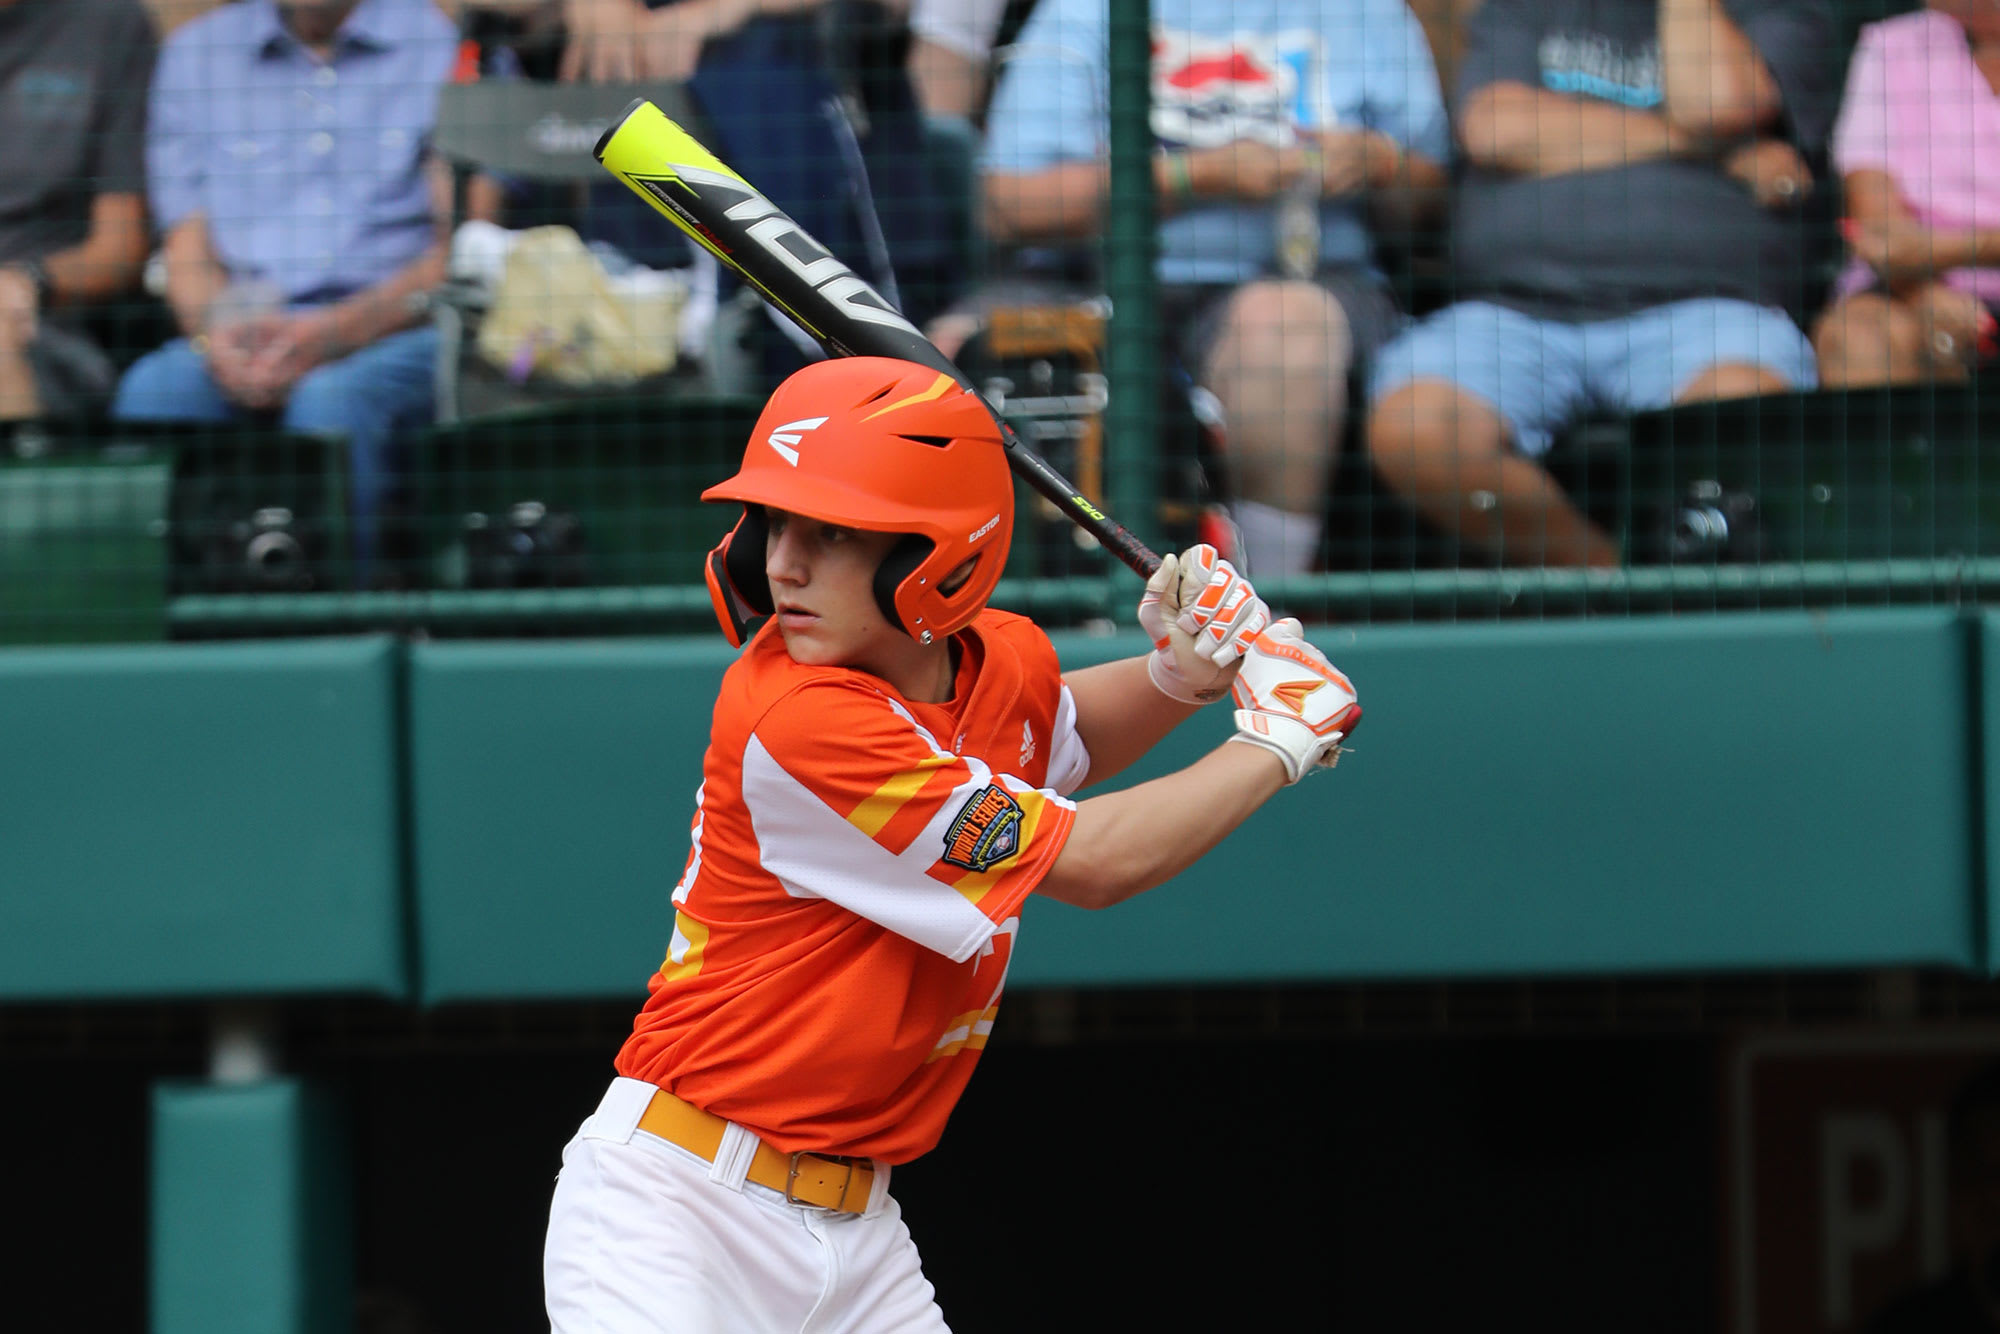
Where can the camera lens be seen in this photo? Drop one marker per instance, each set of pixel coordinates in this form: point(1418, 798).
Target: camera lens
point(275, 557)
point(1700, 532)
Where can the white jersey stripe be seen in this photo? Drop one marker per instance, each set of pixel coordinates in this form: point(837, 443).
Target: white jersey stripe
point(1069, 759)
point(814, 853)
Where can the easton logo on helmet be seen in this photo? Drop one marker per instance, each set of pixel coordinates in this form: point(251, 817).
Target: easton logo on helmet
point(983, 529)
point(786, 438)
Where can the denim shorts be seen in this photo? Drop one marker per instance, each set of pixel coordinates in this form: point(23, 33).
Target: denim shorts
point(1540, 375)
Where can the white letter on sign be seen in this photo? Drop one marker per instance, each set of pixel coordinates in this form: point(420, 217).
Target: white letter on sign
point(1848, 1227)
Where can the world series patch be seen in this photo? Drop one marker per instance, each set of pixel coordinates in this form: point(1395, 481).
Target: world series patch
point(986, 831)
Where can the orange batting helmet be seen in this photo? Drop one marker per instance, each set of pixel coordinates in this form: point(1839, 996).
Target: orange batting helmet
point(887, 446)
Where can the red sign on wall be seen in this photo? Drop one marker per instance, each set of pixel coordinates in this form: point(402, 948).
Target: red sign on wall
point(1835, 1171)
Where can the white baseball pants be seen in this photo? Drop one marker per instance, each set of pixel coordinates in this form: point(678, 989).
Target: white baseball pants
point(648, 1238)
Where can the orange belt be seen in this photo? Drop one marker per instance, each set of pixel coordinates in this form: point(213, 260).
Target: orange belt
point(819, 1180)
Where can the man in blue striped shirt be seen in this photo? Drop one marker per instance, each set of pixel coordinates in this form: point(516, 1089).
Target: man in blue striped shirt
point(304, 222)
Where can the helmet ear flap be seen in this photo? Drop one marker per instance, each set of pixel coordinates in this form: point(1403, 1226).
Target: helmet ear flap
point(901, 562)
point(737, 584)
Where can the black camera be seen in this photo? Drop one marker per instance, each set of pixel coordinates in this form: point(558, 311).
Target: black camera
point(532, 545)
point(1707, 524)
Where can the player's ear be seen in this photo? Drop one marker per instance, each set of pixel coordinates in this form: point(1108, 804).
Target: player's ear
point(737, 585)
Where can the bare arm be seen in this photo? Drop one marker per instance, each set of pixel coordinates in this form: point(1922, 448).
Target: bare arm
point(109, 259)
point(1886, 233)
point(1716, 85)
point(1872, 196)
point(947, 83)
point(1512, 127)
point(390, 305)
point(1059, 203)
point(1124, 843)
point(1121, 715)
point(1405, 189)
point(1066, 202)
point(195, 276)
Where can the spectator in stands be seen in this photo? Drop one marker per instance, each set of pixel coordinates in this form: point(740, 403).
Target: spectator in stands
point(1918, 151)
point(1282, 145)
point(72, 208)
point(1623, 236)
point(305, 225)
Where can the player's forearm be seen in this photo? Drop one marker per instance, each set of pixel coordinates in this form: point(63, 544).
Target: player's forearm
point(1511, 127)
point(1124, 843)
point(1121, 714)
point(1713, 81)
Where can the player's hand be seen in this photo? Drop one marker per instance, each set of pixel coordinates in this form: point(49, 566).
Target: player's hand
point(1201, 615)
point(1293, 702)
point(1773, 170)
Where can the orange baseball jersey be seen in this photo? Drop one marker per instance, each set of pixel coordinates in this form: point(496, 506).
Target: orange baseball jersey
point(852, 892)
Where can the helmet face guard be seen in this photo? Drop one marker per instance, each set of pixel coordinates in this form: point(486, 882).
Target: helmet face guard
point(882, 445)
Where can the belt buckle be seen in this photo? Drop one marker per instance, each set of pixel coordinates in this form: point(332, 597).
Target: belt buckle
point(792, 1182)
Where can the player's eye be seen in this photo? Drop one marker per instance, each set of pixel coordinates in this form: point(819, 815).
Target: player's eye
point(775, 521)
point(833, 533)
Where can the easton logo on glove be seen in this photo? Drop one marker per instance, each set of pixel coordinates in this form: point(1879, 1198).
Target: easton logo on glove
point(987, 830)
point(1293, 694)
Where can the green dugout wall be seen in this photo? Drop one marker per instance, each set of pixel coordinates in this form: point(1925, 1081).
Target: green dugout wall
point(455, 822)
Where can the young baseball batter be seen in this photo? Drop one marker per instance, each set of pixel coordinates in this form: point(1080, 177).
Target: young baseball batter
point(886, 783)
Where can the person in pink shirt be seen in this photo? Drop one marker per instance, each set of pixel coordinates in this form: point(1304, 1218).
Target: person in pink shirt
point(1918, 149)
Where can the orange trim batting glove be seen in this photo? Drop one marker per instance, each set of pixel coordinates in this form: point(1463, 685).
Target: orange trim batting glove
point(1201, 614)
point(1293, 702)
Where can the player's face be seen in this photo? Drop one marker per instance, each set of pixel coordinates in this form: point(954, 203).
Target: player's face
point(823, 592)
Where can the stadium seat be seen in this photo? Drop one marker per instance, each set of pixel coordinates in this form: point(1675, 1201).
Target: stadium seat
point(598, 492)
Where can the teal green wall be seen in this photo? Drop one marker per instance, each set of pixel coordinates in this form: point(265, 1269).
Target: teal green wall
point(1721, 792)
point(179, 820)
point(251, 1212)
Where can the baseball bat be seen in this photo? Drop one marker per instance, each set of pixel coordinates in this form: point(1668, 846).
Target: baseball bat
point(665, 166)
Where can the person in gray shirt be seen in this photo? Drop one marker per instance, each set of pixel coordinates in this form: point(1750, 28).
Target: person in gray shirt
point(73, 80)
point(1623, 234)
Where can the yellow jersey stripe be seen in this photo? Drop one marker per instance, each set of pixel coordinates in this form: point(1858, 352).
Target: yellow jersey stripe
point(880, 806)
point(684, 954)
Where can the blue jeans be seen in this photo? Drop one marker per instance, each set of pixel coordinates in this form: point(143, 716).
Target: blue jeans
point(1540, 375)
point(374, 397)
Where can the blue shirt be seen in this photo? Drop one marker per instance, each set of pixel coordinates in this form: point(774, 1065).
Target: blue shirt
point(310, 172)
point(1225, 70)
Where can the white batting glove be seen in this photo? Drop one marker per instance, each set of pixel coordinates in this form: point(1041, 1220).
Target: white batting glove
point(1293, 702)
point(1200, 614)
